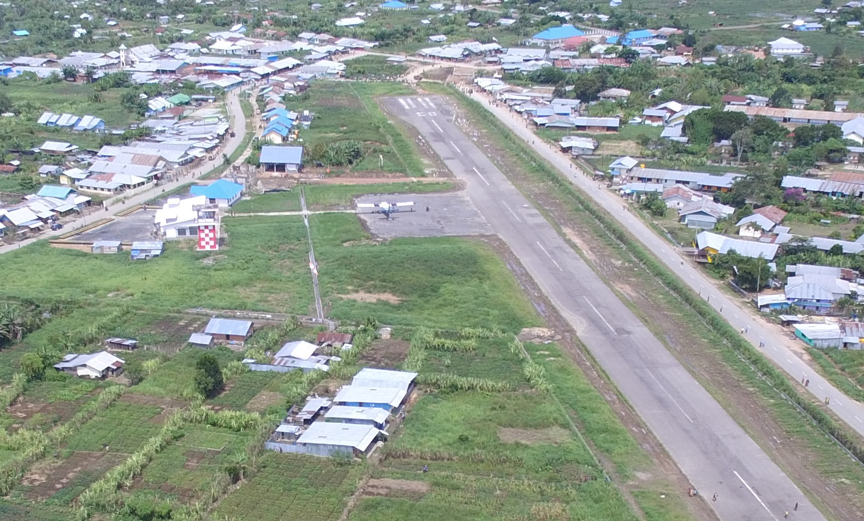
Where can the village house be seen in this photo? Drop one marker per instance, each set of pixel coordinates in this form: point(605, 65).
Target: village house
point(679, 196)
point(222, 193)
point(358, 416)
point(106, 247)
point(816, 293)
point(281, 158)
point(820, 335)
point(121, 344)
point(704, 213)
point(230, 331)
point(708, 245)
point(95, 365)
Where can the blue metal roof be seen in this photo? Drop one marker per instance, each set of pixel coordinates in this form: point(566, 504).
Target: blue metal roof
point(278, 128)
point(281, 155)
point(226, 326)
point(221, 189)
point(640, 34)
point(393, 4)
point(558, 33)
point(21, 32)
point(57, 192)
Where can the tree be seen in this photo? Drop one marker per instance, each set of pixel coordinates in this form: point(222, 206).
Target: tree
point(689, 40)
point(134, 371)
point(629, 54)
point(6, 104)
point(208, 376)
point(781, 98)
point(742, 139)
point(69, 73)
point(32, 366)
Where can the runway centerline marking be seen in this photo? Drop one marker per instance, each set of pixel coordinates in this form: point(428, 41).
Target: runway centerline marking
point(601, 316)
point(667, 394)
point(514, 213)
point(454, 145)
point(550, 257)
point(859, 419)
point(754, 495)
point(481, 176)
point(436, 126)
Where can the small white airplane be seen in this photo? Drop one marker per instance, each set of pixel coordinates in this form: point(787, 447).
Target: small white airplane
point(388, 208)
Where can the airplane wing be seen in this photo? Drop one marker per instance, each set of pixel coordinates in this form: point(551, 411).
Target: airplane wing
point(366, 205)
point(405, 204)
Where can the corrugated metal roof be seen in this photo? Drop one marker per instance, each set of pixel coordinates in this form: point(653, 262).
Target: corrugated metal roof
point(341, 412)
point(820, 331)
point(299, 349)
point(201, 339)
point(227, 326)
point(281, 155)
point(357, 394)
point(383, 378)
point(340, 434)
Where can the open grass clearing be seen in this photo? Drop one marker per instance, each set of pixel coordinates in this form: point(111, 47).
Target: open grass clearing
point(331, 197)
point(492, 359)
point(441, 282)
point(459, 432)
point(48, 403)
point(176, 377)
point(58, 481)
point(373, 68)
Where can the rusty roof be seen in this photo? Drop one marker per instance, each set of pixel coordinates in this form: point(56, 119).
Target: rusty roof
point(334, 337)
point(847, 177)
point(772, 213)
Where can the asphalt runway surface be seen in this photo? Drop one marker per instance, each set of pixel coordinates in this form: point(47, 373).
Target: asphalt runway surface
point(711, 449)
point(137, 226)
point(448, 214)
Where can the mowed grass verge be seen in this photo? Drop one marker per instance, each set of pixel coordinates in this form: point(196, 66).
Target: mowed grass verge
point(330, 197)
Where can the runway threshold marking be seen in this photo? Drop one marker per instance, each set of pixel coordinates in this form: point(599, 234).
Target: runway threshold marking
point(430, 103)
point(421, 102)
point(402, 102)
point(481, 176)
point(411, 103)
point(436, 126)
point(601, 316)
point(754, 495)
point(514, 214)
point(670, 397)
point(550, 257)
point(452, 143)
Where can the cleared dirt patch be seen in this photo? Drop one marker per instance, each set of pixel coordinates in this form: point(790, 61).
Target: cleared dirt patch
point(397, 488)
point(156, 401)
point(386, 354)
point(362, 296)
point(549, 435)
point(263, 400)
point(615, 148)
point(50, 476)
point(41, 415)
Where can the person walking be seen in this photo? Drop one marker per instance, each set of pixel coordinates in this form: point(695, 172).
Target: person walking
point(827, 400)
point(796, 507)
point(715, 497)
point(785, 514)
point(806, 384)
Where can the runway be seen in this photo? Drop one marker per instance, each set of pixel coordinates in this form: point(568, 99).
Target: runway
point(711, 449)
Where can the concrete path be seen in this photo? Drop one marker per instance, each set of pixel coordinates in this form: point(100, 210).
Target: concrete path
point(711, 449)
point(237, 124)
point(779, 347)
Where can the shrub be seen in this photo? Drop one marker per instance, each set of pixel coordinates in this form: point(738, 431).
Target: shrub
point(208, 376)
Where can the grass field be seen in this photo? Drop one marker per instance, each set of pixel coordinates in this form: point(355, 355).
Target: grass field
point(175, 378)
point(188, 465)
point(438, 282)
point(304, 487)
point(373, 68)
point(350, 111)
point(46, 404)
point(491, 359)
point(330, 197)
point(73, 98)
point(243, 388)
point(123, 427)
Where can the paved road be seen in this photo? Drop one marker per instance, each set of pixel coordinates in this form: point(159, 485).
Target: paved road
point(238, 126)
point(711, 449)
point(779, 346)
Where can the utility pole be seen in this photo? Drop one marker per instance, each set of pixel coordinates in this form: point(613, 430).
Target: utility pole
point(313, 264)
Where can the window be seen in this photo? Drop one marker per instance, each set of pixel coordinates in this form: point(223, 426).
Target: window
point(181, 232)
point(193, 230)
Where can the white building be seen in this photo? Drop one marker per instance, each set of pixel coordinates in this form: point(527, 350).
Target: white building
point(786, 47)
point(190, 218)
point(95, 365)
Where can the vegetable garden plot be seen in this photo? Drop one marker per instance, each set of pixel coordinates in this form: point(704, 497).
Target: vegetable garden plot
point(123, 427)
point(293, 487)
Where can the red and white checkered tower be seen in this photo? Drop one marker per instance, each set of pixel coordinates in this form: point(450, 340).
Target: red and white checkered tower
point(209, 228)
